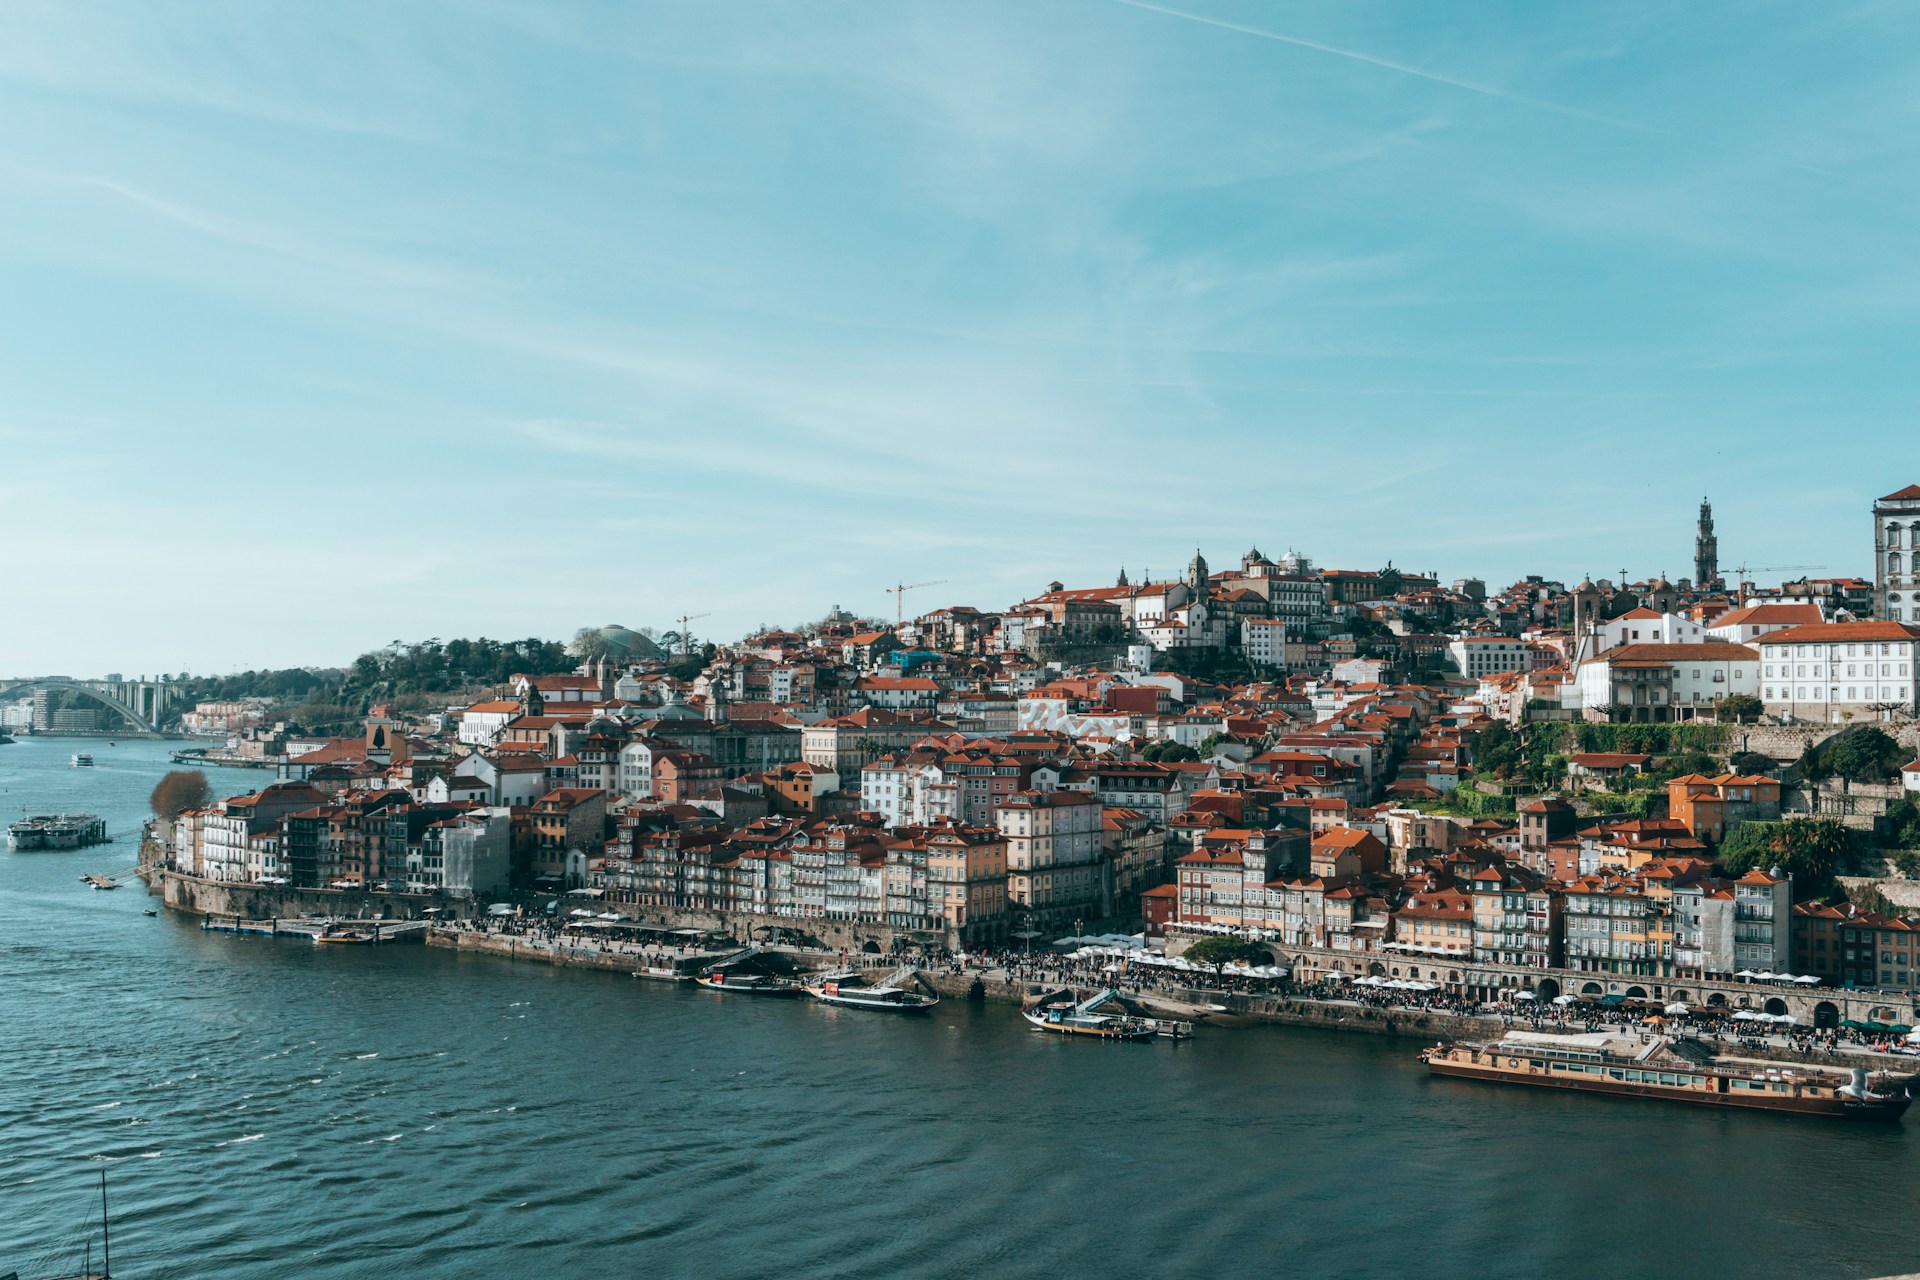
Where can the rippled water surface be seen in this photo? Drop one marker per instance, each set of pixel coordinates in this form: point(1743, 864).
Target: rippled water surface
point(271, 1108)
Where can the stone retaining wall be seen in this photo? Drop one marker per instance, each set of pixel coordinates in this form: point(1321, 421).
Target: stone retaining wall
point(1790, 741)
point(281, 902)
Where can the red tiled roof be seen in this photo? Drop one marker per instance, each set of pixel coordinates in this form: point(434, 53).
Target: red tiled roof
point(1835, 632)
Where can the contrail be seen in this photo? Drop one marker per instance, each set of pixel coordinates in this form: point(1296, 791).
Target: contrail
point(1467, 86)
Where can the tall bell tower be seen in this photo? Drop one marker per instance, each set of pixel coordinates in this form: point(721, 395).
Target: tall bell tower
point(1706, 550)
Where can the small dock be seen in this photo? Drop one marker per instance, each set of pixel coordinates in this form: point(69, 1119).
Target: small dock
point(307, 928)
point(53, 831)
point(220, 759)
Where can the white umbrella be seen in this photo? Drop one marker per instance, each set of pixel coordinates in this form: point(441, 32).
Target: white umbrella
point(1913, 1035)
point(1747, 1015)
point(1524, 995)
point(1746, 973)
point(1678, 1008)
point(1563, 999)
point(1786, 1019)
point(1809, 979)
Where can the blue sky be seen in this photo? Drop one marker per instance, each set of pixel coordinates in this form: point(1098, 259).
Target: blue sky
point(322, 325)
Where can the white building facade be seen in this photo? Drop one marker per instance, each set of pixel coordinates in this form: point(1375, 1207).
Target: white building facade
point(1840, 670)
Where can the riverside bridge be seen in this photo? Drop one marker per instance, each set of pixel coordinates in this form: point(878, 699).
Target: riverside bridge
point(143, 704)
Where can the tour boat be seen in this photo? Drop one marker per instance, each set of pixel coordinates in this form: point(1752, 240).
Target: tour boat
point(81, 760)
point(850, 989)
point(335, 935)
point(662, 973)
point(1068, 1021)
point(751, 984)
point(1600, 1063)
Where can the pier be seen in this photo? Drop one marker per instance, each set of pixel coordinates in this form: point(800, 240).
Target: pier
point(52, 831)
point(308, 928)
point(221, 759)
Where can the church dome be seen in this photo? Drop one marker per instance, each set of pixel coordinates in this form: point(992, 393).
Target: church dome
point(615, 642)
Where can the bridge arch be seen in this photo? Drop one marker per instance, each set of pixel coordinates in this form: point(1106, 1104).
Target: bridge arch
point(87, 689)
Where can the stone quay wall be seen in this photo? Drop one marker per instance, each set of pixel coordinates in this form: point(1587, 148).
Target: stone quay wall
point(1424, 1025)
point(1461, 975)
point(196, 896)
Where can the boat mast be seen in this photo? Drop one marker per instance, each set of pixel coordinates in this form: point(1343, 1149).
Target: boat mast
point(106, 1240)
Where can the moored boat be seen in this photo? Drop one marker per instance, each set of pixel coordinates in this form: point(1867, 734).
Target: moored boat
point(56, 831)
point(1081, 1020)
point(338, 935)
point(750, 984)
point(851, 991)
point(1603, 1064)
point(662, 973)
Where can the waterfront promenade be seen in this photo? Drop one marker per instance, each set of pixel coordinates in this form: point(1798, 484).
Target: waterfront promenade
point(1222, 1002)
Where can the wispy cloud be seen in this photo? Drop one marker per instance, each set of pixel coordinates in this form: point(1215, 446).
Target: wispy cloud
point(1401, 68)
point(269, 238)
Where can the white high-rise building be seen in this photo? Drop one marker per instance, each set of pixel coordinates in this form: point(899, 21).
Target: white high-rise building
point(1896, 543)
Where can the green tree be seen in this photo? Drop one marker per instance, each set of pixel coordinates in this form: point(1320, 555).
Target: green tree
point(1813, 766)
point(1901, 827)
point(1168, 752)
point(1497, 751)
point(1863, 755)
point(1750, 763)
point(1219, 951)
point(1684, 762)
point(1869, 898)
point(1739, 707)
point(688, 666)
point(1809, 850)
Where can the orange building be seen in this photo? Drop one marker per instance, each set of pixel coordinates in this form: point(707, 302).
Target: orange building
point(1712, 807)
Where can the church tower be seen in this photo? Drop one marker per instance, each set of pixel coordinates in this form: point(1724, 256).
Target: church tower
point(1197, 575)
point(1706, 550)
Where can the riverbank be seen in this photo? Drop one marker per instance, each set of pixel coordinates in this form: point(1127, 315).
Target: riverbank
point(195, 896)
point(1206, 1008)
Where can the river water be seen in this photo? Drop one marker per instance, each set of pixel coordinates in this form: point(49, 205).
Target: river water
point(267, 1108)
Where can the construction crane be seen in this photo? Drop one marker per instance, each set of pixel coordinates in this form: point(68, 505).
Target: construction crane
point(1740, 572)
point(899, 590)
point(686, 638)
point(1743, 570)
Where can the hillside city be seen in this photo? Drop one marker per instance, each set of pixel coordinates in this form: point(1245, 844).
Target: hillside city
point(1693, 779)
